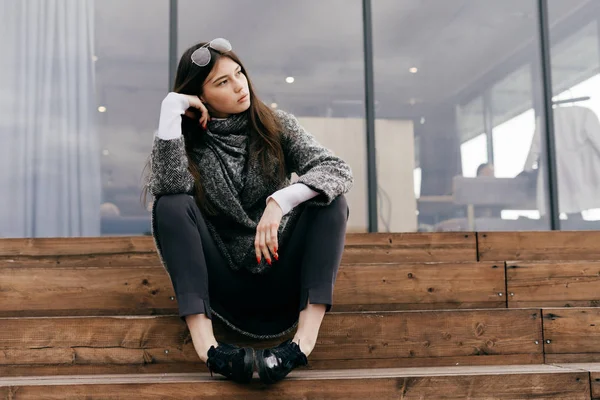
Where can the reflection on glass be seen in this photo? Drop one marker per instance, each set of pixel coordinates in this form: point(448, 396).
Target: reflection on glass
point(302, 63)
point(50, 156)
point(132, 67)
point(83, 80)
point(474, 155)
point(469, 94)
point(576, 80)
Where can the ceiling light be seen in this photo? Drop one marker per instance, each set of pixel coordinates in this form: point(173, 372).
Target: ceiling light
point(105, 152)
point(422, 120)
point(290, 79)
point(273, 105)
point(101, 109)
point(413, 70)
point(94, 58)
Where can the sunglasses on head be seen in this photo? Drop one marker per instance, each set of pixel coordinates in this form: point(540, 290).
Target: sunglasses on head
point(201, 56)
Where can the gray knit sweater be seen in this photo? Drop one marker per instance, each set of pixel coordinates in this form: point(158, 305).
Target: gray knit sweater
point(233, 182)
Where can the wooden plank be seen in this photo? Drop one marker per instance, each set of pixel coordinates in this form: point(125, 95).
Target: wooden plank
point(397, 247)
point(489, 359)
point(410, 247)
point(589, 367)
point(572, 358)
point(572, 334)
point(73, 246)
point(551, 385)
point(595, 381)
point(509, 360)
point(553, 284)
point(137, 284)
point(420, 286)
point(54, 291)
point(82, 261)
point(593, 369)
point(552, 245)
point(453, 335)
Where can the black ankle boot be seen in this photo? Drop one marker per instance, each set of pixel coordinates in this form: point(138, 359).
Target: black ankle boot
point(232, 362)
point(274, 364)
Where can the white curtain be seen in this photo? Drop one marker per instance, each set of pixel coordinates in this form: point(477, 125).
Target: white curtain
point(49, 152)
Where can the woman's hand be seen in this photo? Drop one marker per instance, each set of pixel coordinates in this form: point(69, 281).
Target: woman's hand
point(197, 104)
point(265, 242)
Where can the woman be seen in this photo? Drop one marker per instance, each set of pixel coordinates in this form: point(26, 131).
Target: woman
point(238, 240)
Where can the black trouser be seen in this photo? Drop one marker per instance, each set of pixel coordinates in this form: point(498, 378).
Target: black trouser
point(257, 304)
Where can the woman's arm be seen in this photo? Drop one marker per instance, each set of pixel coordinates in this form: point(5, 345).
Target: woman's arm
point(291, 196)
point(317, 167)
point(169, 164)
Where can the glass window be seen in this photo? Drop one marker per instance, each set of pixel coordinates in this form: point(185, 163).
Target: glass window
point(464, 79)
point(575, 67)
point(278, 40)
point(81, 88)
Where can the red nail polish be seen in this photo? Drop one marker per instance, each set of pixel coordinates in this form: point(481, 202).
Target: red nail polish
point(276, 256)
point(268, 261)
point(258, 260)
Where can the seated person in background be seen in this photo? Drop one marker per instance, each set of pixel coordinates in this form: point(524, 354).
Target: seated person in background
point(486, 169)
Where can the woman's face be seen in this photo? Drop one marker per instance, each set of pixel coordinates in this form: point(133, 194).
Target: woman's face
point(226, 89)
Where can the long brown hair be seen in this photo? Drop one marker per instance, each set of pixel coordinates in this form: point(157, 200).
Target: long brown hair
point(265, 128)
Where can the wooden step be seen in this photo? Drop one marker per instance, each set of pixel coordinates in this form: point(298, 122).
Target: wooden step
point(484, 382)
point(543, 246)
point(593, 369)
point(410, 247)
point(360, 247)
point(367, 247)
point(572, 334)
point(346, 340)
point(137, 284)
point(553, 284)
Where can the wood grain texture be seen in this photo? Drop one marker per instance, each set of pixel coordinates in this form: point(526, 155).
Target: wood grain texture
point(397, 247)
point(553, 284)
point(137, 284)
point(595, 381)
point(453, 335)
point(78, 290)
point(551, 245)
point(507, 360)
point(572, 333)
point(74, 246)
point(570, 385)
point(420, 286)
point(410, 247)
point(572, 358)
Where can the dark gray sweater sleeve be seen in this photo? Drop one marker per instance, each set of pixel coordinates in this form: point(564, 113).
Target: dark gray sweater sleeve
point(169, 168)
point(317, 167)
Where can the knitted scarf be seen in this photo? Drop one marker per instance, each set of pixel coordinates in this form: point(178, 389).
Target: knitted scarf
point(237, 187)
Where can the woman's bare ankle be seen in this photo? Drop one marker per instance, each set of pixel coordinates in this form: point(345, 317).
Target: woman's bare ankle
point(202, 334)
point(306, 345)
point(202, 348)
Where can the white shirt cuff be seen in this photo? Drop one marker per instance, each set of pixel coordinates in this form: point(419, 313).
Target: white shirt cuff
point(289, 197)
point(172, 107)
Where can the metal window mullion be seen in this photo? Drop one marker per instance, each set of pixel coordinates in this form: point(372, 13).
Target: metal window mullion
point(549, 144)
point(370, 116)
point(173, 27)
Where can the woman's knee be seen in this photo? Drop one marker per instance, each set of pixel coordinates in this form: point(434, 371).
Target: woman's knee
point(172, 206)
point(338, 210)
